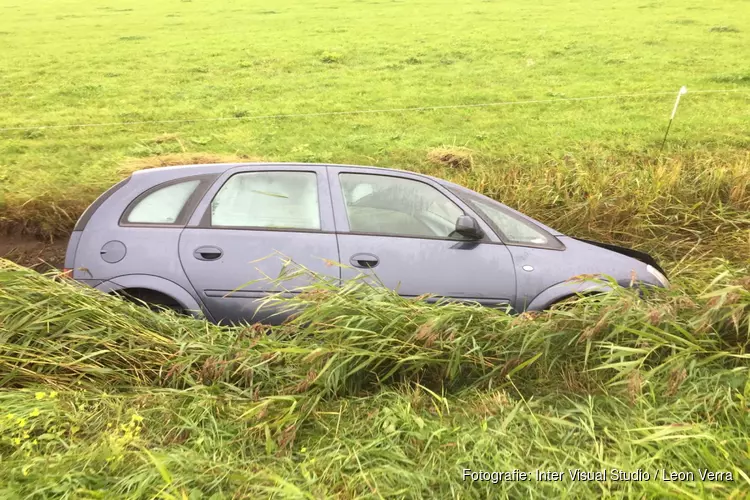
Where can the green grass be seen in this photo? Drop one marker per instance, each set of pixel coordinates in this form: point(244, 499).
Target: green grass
point(101, 62)
point(369, 394)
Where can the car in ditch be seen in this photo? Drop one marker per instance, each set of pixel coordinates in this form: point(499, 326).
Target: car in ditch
point(197, 238)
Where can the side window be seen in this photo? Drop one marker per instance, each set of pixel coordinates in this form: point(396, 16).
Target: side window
point(286, 200)
point(393, 205)
point(512, 228)
point(162, 206)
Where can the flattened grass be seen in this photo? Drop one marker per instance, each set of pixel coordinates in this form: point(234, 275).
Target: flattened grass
point(369, 394)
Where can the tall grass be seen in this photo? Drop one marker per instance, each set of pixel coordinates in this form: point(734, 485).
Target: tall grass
point(365, 393)
point(696, 203)
point(670, 206)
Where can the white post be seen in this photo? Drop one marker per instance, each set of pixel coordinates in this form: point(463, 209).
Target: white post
point(683, 90)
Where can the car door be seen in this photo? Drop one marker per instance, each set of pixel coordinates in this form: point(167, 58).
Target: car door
point(251, 221)
point(538, 251)
point(398, 227)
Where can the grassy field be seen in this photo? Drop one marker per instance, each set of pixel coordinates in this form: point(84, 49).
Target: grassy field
point(368, 394)
point(104, 62)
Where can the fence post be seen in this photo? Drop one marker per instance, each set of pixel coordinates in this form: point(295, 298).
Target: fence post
point(683, 90)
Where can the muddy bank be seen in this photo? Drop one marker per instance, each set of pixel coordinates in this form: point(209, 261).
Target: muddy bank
point(26, 250)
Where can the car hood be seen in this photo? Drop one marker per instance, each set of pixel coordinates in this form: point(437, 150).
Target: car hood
point(641, 256)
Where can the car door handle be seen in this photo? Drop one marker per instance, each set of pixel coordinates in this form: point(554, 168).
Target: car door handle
point(364, 260)
point(208, 253)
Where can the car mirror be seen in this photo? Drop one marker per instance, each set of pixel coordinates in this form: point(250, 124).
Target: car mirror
point(469, 228)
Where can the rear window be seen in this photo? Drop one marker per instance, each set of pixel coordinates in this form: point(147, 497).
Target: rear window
point(161, 205)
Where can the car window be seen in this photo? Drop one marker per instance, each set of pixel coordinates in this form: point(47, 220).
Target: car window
point(398, 206)
point(512, 228)
point(268, 199)
point(162, 206)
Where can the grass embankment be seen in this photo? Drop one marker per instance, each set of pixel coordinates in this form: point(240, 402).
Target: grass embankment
point(374, 395)
point(696, 204)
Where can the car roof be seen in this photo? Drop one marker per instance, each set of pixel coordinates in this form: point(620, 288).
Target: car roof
point(177, 171)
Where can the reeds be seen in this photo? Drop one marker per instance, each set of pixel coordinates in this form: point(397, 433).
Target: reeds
point(366, 393)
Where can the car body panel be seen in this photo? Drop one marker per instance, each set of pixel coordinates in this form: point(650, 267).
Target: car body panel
point(232, 285)
point(480, 271)
point(72, 248)
point(551, 270)
point(413, 266)
point(91, 209)
point(148, 251)
point(141, 242)
point(635, 254)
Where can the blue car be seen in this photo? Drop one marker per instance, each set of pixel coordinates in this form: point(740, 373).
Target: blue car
point(196, 238)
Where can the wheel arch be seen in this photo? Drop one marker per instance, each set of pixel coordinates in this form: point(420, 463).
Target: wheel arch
point(564, 290)
point(567, 289)
point(161, 286)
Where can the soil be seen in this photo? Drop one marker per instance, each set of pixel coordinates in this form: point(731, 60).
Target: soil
point(32, 252)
